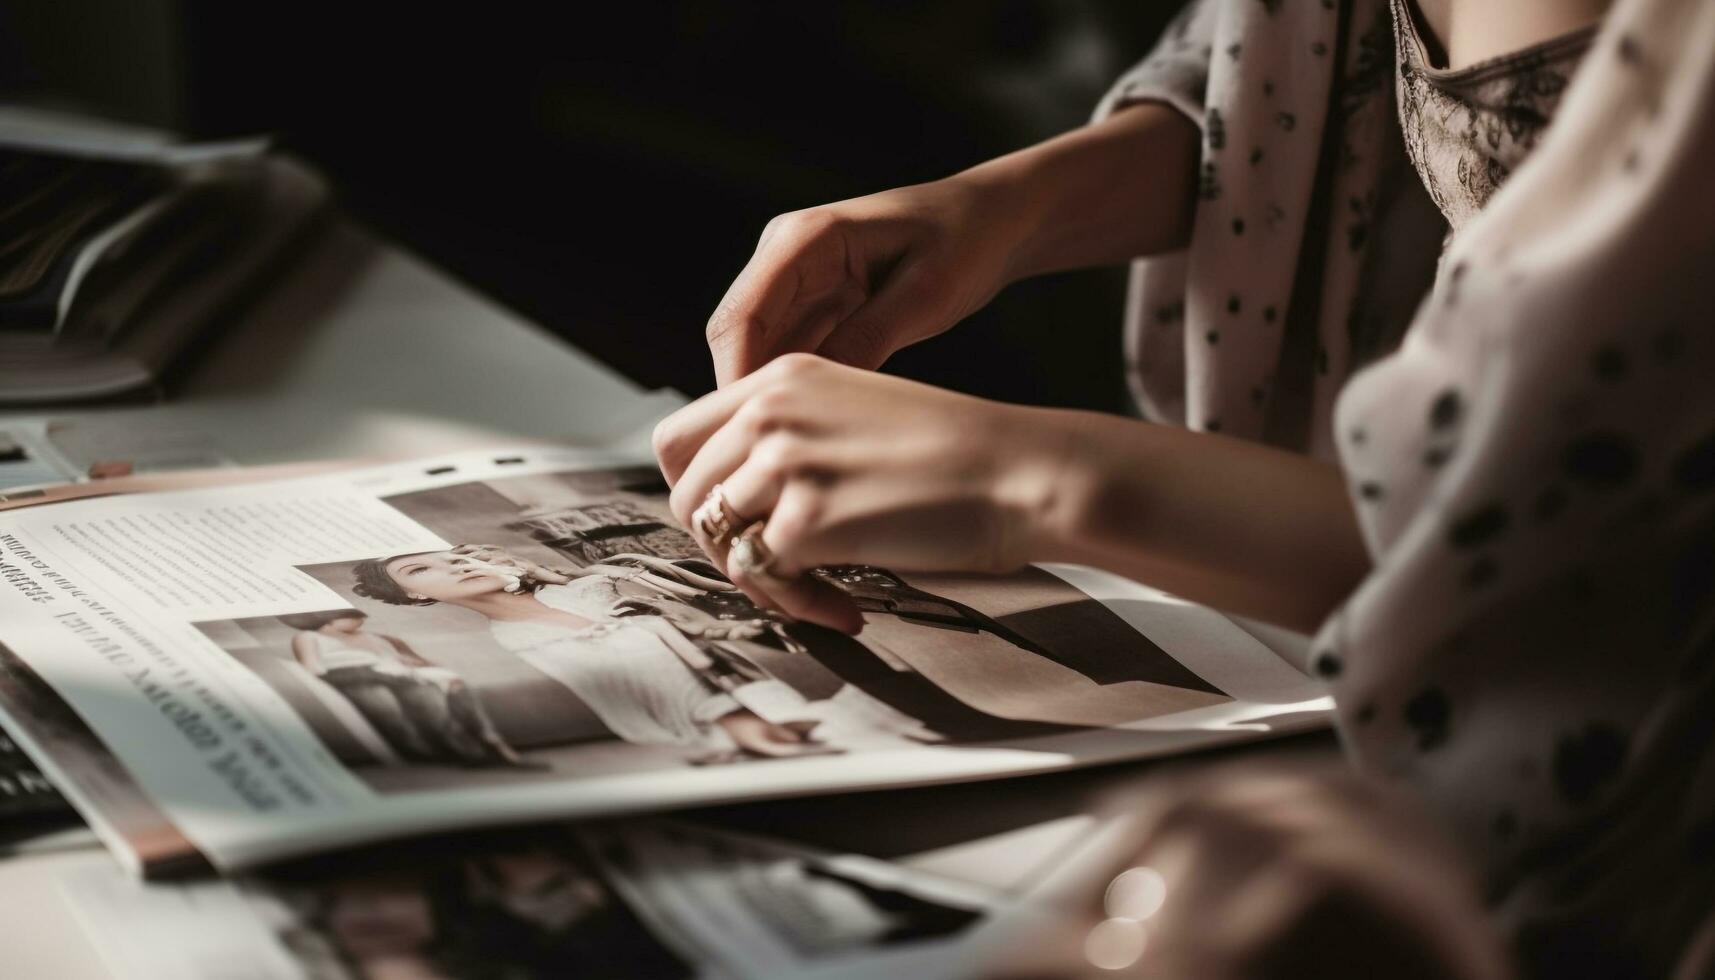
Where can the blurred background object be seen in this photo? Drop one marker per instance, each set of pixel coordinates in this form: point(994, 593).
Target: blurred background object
point(605, 168)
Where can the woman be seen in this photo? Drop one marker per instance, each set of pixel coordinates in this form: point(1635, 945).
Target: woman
point(634, 672)
point(428, 713)
point(1500, 527)
point(728, 640)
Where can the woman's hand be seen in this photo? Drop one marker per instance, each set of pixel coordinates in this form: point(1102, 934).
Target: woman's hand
point(857, 280)
point(493, 554)
point(1270, 873)
point(851, 467)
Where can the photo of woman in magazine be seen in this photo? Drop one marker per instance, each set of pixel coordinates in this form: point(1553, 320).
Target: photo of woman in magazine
point(561, 625)
point(425, 712)
point(654, 668)
point(972, 658)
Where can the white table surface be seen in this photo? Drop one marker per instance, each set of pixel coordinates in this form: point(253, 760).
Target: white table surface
point(363, 350)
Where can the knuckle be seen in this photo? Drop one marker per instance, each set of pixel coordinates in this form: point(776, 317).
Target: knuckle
point(727, 326)
point(665, 440)
point(779, 455)
point(796, 230)
point(796, 367)
point(807, 224)
point(828, 225)
point(676, 502)
point(765, 411)
point(795, 521)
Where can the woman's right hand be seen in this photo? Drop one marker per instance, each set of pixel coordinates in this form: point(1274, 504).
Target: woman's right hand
point(857, 280)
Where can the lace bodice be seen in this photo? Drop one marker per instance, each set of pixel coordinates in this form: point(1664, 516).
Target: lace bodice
point(1467, 129)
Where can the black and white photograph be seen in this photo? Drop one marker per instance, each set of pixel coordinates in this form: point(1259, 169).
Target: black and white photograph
point(520, 910)
point(574, 629)
point(663, 900)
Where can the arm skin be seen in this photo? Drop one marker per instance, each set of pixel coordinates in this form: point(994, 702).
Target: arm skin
point(1100, 195)
point(1243, 527)
point(1232, 524)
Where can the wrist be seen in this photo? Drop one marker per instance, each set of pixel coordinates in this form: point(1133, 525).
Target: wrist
point(1052, 483)
point(1007, 200)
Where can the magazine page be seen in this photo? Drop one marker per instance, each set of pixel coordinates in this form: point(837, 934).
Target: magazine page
point(649, 899)
point(86, 771)
point(501, 637)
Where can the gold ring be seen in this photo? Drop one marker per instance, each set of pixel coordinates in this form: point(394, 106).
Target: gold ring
point(714, 517)
point(750, 553)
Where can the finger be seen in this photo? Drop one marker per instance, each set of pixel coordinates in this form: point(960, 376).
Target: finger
point(756, 301)
point(747, 494)
point(906, 309)
point(753, 489)
point(790, 587)
point(798, 281)
point(679, 436)
point(800, 597)
point(722, 453)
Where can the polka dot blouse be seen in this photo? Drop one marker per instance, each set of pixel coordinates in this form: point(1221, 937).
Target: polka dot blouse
point(1489, 295)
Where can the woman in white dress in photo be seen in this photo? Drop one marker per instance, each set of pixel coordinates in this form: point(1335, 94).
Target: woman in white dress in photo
point(641, 675)
point(427, 713)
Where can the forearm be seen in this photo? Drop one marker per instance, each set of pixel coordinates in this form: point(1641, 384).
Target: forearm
point(1099, 195)
point(1239, 526)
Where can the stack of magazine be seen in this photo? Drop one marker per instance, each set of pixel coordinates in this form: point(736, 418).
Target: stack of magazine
point(118, 257)
point(228, 681)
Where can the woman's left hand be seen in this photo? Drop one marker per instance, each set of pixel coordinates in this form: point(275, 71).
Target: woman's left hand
point(844, 466)
point(1245, 871)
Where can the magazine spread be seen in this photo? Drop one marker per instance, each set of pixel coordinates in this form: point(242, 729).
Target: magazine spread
point(651, 899)
point(244, 673)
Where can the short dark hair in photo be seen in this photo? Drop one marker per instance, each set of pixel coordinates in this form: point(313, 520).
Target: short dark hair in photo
point(316, 620)
point(371, 581)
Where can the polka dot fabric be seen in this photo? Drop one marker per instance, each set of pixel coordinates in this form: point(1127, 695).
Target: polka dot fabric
point(1533, 466)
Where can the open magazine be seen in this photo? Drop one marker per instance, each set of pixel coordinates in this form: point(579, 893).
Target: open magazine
point(239, 674)
point(665, 900)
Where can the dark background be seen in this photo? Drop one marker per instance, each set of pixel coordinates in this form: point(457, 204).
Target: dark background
point(605, 168)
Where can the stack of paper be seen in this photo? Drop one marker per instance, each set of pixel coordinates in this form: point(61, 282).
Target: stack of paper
point(117, 257)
